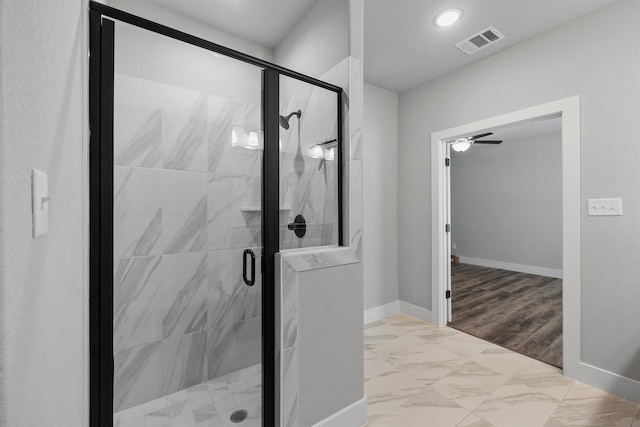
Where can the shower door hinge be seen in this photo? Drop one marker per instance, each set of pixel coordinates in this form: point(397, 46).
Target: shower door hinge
point(447, 228)
point(447, 161)
point(447, 294)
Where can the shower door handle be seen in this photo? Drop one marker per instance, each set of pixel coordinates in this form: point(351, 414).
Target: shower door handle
point(249, 281)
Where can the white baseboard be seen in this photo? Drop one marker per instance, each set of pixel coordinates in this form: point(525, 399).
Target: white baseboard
point(394, 307)
point(415, 311)
point(520, 268)
point(354, 415)
point(380, 312)
point(610, 382)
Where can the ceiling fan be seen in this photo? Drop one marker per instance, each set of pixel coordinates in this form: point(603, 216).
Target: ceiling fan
point(462, 144)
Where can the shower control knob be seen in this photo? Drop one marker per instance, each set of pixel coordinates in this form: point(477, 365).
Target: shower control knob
point(299, 226)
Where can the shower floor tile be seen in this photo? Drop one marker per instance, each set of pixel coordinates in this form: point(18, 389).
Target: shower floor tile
point(209, 404)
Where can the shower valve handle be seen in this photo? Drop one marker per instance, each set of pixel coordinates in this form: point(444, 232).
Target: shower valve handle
point(298, 226)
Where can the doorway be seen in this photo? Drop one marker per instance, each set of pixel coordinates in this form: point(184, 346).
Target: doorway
point(506, 238)
point(569, 110)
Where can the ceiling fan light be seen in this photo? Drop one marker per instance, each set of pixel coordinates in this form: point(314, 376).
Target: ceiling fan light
point(448, 17)
point(461, 145)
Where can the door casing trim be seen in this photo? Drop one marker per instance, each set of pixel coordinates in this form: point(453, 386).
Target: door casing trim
point(569, 110)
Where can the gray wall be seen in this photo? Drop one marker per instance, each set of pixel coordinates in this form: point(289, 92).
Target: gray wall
point(319, 41)
point(330, 341)
point(149, 9)
point(380, 183)
point(42, 281)
point(555, 65)
point(506, 201)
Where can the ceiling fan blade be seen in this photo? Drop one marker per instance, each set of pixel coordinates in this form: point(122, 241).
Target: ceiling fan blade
point(482, 135)
point(487, 141)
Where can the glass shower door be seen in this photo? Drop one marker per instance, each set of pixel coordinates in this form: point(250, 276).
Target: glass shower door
point(309, 165)
point(187, 330)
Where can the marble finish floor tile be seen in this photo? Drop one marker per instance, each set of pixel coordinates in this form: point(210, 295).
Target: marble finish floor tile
point(517, 402)
point(470, 385)
point(388, 391)
point(417, 374)
point(427, 405)
point(613, 409)
point(209, 404)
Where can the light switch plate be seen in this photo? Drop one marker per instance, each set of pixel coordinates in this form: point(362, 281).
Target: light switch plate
point(40, 202)
point(604, 207)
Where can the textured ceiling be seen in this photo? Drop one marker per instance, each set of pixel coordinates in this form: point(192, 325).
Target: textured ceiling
point(265, 22)
point(403, 48)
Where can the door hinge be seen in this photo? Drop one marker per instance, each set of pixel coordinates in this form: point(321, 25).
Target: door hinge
point(447, 294)
point(447, 161)
point(447, 228)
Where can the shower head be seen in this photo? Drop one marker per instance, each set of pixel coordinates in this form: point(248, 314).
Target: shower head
point(284, 121)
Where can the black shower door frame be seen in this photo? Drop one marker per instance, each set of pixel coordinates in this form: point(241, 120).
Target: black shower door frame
point(101, 104)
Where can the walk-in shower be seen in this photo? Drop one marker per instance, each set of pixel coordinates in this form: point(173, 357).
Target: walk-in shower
point(192, 190)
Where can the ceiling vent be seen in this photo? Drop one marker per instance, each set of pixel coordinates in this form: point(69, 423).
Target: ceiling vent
point(479, 41)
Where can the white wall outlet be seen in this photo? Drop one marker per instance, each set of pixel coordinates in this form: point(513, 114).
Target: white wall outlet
point(604, 207)
point(40, 202)
point(453, 245)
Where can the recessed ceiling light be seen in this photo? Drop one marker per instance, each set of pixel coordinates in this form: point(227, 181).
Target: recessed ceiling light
point(448, 17)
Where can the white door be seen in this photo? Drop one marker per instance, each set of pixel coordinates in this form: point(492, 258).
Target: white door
point(447, 270)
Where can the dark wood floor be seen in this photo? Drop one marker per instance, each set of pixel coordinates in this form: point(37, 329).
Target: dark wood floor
point(522, 312)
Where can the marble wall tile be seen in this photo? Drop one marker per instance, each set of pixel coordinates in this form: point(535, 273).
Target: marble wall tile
point(328, 114)
point(184, 361)
point(220, 205)
point(185, 288)
point(221, 121)
point(249, 340)
point(356, 108)
point(247, 192)
point(313, 259)
point(137, 305)
point(246, 214)
point(310, 181)
point(184, 223)
point(289, 306)
point(290, 410)
point(226, 116)
point(338, 75)
point(329, 230)
point(234, 211)
point(295, 152)
point(184, 129)
point(247, 236)
point(223, 279)
point(308, 102)
point(137, 211)
point(137, 122)
point(222, 351)
point(247, 161)
point(314, 195)
point(355, 206)
point(136, 375)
